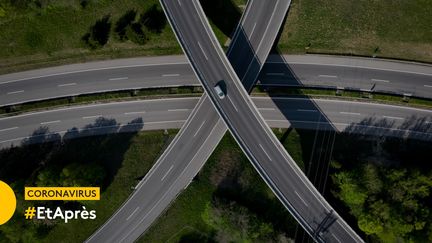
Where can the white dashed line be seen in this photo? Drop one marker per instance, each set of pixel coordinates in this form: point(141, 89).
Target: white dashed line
point(163, 177)
point(8, 129)
point(232, 103)
point(393, 117)
point(121, 78)
point(253, 29)
point(428, 86)
point(49, 122)
point(171, 75)
point(136, 209)
point(380, 80)
point(134, 113)
point(265, 152)
point(64, 85)
point(298, 195)
point(91, 117)
point(350, 113)
point(327, 76)
point(179, 110)
point(199, 128)
point(16, 92)
point(266, 109)
point(199, 44)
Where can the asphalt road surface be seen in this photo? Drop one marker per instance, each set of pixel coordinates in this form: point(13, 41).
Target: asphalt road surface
point(253, 135)
point(356, 117)
point(165, 71)
point(193, 145)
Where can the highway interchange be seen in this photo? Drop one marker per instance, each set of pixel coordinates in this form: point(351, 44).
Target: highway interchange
point(156, 114)
point(247, 126)
point(196, 140)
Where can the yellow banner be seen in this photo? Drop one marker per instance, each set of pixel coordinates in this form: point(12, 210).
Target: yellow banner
point(62, 193)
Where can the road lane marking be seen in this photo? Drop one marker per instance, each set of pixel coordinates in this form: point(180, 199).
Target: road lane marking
point(136, 209)
point(199, 128)
point(134, 113)
point(380, 80)
point(304, 110)
point(178, 110)
point(91, 117)
point(68, 84)
point(16, 92)
point(98, 69)
point(298, 195)
point(350, 113)
point(265, 31)
point(179, 2)
point(162, 122)
point(253, 29)
point(49, 122)
point(166, 192)
point(327, 76)
point(232, 103)
point(275, 74)
point(169, 170)
point(266, 109)
point(428, 86)
point(120, 78)
point(199, 44)
point(171, 75)
point(393, 117)
point(8, 129)
point(265, 152)
point(337, 239)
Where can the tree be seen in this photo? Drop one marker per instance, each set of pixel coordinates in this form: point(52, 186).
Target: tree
point(82, 175)
point(370, 225)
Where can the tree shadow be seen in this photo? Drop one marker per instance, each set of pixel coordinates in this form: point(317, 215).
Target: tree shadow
point(123, 22)
point(154, 19)
point(222, 13)
point(408, 142)
point(43, 156)
point(98, 34)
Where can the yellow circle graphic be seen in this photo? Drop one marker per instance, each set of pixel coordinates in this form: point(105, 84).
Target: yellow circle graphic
point(7, 202)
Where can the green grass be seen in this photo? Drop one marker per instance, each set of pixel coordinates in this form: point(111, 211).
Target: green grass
point(138, 159)
point(37, 37)
point(52, 34)
point(394, 29)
